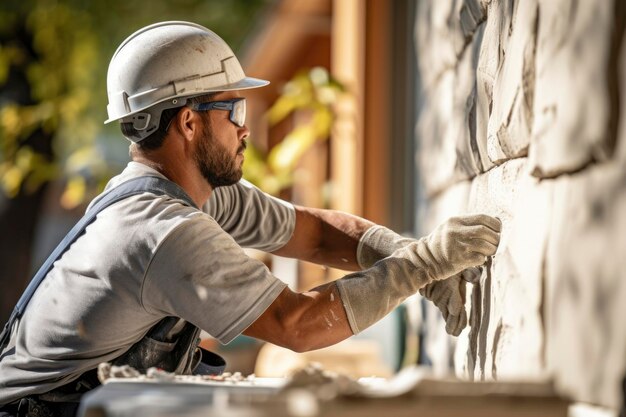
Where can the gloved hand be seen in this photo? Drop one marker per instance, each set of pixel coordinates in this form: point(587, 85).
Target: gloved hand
point(457, 244)
point(449, 297)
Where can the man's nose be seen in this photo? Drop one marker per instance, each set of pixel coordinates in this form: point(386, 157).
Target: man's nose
point(244, 132)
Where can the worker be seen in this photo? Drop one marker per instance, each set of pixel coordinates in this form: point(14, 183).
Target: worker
point(178, 92)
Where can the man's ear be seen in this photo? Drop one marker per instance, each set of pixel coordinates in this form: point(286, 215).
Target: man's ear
point(188, 122)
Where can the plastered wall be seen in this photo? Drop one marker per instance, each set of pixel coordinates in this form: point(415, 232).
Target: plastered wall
point(524, 118)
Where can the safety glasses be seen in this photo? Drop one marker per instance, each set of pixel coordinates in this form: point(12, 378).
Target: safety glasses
point(236, 106)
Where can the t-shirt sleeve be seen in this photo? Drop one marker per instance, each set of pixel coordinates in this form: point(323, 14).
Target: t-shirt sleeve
point(199, 273)
point(253, 218)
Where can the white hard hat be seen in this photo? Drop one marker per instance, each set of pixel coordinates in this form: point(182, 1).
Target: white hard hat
point(161, 65)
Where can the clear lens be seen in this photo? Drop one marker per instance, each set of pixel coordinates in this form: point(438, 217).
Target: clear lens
point(236, 107)
point(238, 114)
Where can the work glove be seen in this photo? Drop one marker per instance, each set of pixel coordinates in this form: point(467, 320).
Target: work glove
point(456, 244)
point(449, 297)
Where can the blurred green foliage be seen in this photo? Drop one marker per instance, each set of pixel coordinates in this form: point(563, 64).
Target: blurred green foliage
point(60, 50)
point(310, 94)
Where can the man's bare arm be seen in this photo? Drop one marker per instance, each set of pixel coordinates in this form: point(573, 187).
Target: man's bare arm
point(303, 321)
point(326, 237)
point(332, 312)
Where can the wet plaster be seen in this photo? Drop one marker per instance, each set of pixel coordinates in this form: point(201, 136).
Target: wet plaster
point(483, 340)
point(475, 324)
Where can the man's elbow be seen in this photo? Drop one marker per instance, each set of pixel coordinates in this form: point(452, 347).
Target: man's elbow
point(299, 341)
point(299, 348)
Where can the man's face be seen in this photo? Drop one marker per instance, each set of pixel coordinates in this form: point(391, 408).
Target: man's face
point(219, 153)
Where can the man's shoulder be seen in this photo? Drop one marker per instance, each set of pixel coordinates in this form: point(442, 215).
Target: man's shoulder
point(133, 170)
point(145, 216)
point(243, 194)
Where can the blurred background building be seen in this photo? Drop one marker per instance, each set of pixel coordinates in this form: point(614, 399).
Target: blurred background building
point(405, 112)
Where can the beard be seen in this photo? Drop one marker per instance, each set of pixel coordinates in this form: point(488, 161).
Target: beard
point(214, 161)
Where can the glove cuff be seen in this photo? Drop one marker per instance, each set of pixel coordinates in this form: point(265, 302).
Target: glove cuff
point(371, 294)
point(377, 243)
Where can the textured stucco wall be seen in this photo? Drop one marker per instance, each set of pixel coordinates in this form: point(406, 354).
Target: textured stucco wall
point(522, 119)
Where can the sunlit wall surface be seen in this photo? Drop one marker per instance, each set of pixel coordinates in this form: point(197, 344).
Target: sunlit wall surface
point(523, 118)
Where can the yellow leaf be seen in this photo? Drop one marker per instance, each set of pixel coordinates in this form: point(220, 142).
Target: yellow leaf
point(319, 76)
point(24, 158)
point(74, 192)
point(286, 154)
point(270, 184)
point(81, 158)
point(10, 120)
point(12, 180)
point(321, 121)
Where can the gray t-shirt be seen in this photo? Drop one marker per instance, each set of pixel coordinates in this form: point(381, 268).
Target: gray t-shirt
point(142, 259)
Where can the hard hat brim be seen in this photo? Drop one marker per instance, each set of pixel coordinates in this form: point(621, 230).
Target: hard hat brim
point(244, 84)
